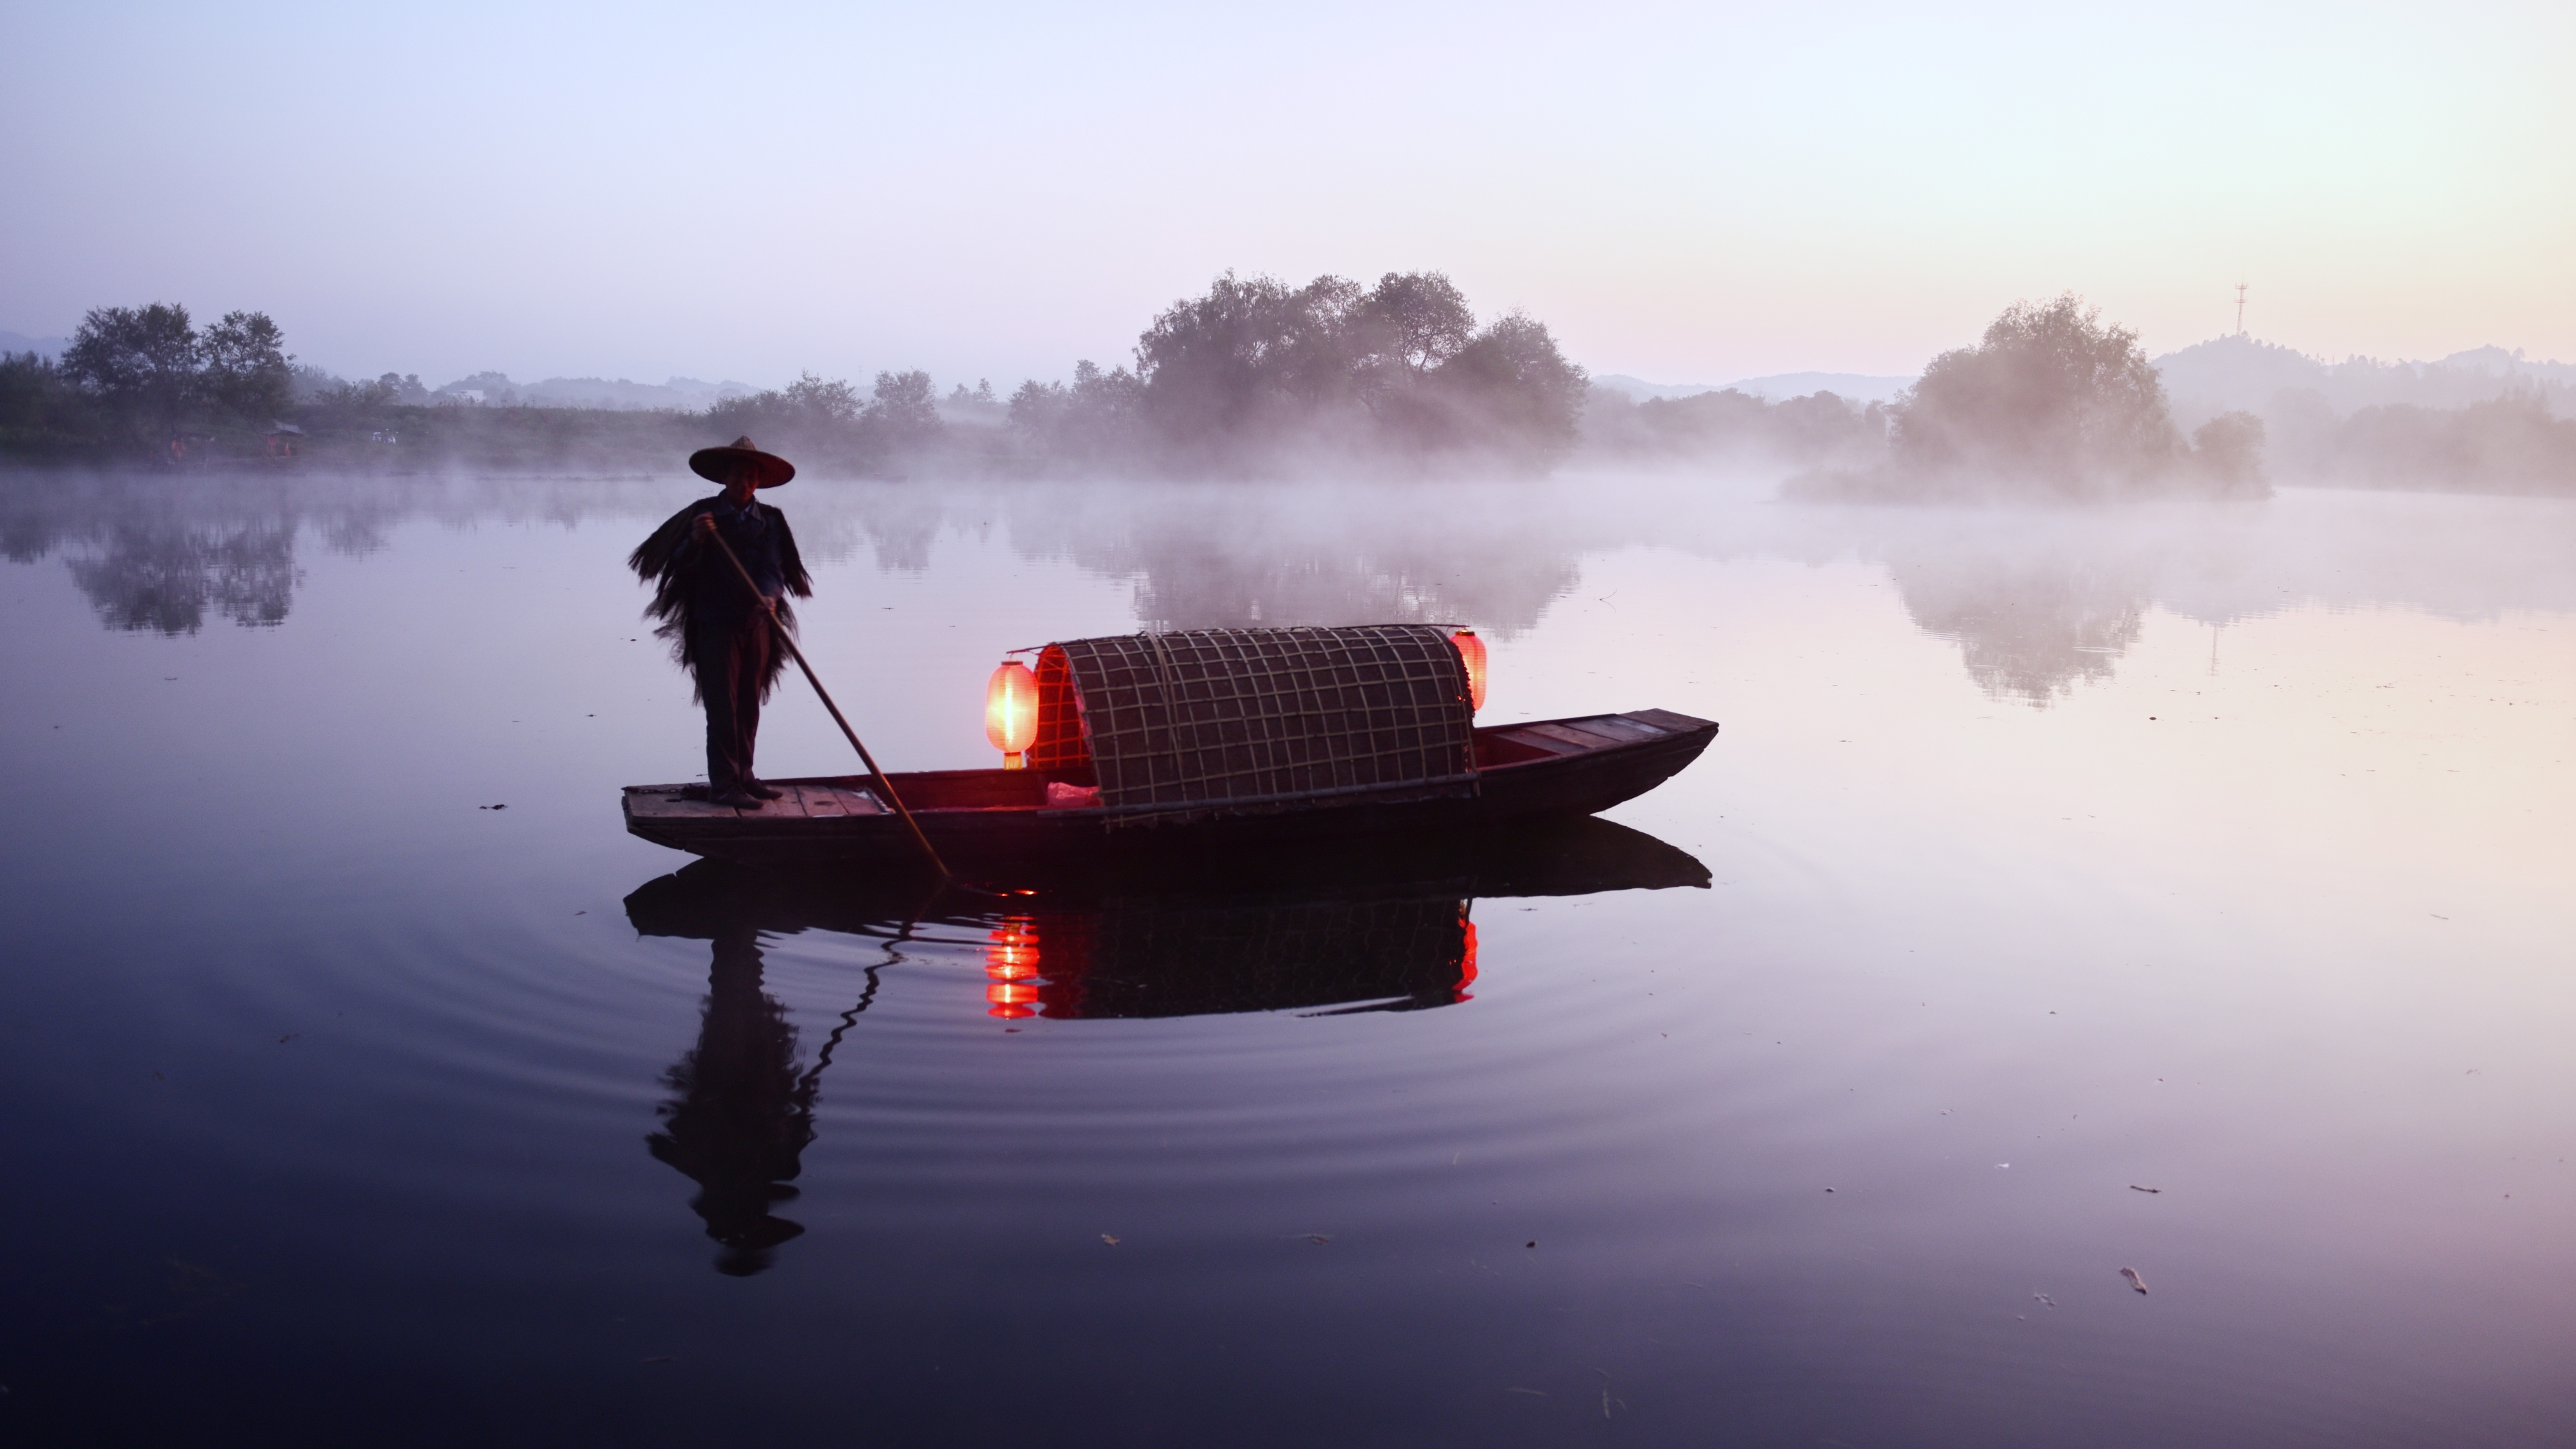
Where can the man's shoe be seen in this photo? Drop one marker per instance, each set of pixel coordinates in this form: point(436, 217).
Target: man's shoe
point(762, 789)
point(737, 799)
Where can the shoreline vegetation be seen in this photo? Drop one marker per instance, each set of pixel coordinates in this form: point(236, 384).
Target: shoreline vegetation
point(1259, 378)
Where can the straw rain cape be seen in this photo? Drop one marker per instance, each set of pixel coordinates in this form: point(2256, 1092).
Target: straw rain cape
point(694, 585)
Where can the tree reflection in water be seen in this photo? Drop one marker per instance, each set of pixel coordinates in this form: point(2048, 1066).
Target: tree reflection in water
point(2029, 628)
point(161, 554)
point(164, 579)
point(2039, 601)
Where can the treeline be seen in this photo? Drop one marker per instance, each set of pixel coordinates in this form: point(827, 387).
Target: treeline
point(2050, 404)
point(146, 380)
point(828, 425)
point(2053, 405)
point(2508, 444)
point(1256, 376)
point(1253, 377)
point(1736, 428)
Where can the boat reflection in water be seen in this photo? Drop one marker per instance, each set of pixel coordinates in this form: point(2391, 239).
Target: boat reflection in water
point(1383, 928)
point(1333, 956)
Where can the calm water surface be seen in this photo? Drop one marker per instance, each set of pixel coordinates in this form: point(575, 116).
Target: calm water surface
point(2048, 859)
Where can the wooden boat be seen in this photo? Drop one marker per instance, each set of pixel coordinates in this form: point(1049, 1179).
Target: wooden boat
point(1185, 742)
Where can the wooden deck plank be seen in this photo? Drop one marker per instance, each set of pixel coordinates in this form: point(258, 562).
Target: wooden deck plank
point(666, 803)
point(1666, 719)
point(1624, 727)
point(1530, 735)
point(822, 802)
point(858, 802)
point(1576, 735)
point(790, 805)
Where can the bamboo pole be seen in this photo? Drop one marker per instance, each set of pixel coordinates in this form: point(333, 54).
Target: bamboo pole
point(780, 631)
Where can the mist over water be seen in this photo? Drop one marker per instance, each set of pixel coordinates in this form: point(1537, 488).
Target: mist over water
point(2043, 584)
point(2049, 856)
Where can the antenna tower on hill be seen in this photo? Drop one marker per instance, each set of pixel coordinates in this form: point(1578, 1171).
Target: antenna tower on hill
point(2240, 309)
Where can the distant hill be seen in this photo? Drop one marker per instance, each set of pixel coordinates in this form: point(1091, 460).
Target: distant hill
point(2500, 363)
point(2481, 419)
point(1851, 386)
point(1637, 389)
point(1858, 387)
point(2240, 373)
point(42, 346)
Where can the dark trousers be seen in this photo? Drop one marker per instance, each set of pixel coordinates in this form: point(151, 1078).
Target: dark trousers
point(732, 661)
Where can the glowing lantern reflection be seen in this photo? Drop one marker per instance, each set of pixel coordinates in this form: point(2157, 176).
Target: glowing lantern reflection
point(1011, 969)
point(1466, 957)
point(1011, 712)
point(1471, 652)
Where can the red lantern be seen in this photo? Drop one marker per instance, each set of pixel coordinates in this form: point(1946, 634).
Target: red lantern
point(1011, 712)
point(1471, 652)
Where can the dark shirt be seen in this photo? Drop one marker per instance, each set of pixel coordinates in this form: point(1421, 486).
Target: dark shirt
point(695, 589)
point(716, 594)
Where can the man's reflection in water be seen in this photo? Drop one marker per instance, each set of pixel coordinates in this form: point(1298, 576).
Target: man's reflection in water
point(743, 1114)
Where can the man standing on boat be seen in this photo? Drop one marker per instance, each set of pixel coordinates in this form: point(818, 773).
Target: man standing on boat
point(720, 630)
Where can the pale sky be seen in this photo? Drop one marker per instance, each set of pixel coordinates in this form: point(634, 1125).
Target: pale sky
point(1682, 192)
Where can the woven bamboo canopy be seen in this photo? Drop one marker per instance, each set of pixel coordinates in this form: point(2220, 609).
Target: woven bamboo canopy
point(1216, 721)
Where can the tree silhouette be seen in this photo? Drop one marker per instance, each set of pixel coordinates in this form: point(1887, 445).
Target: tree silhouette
point(141, 362)
point(245, 367)
point(2049, 399)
